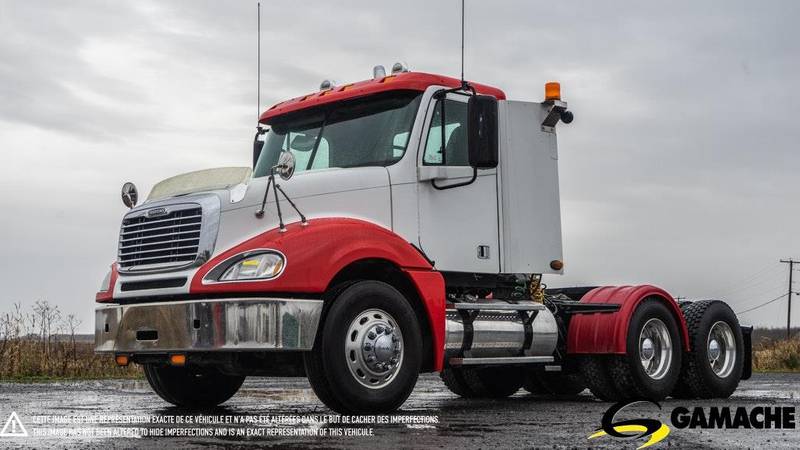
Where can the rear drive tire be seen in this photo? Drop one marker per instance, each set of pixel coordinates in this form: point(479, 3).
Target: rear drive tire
point(560, 384)
point(597, 377)
point(713, 367)
point(454, 380)
point(192, 386)
point(652, 364)
point(493, 382)
point(368, 354)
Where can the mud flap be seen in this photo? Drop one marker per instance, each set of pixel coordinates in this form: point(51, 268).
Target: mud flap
point(747, 343)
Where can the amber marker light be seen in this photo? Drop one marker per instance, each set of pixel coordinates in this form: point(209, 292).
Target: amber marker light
point(177, 360)
point(552, 91)
point(122, 360)
point(556, 264)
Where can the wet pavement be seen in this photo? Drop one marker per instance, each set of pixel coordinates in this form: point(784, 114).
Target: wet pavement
point(284, 413)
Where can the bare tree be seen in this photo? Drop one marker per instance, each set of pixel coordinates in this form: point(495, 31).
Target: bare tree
point(48, 316)
point(72, 323)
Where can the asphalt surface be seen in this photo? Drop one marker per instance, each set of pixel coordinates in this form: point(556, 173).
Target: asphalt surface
point(54, 414)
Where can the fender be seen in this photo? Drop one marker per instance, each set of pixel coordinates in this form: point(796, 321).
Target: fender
point(315, 253)
point(430, 287)
point(607, 333)
point(107, 296)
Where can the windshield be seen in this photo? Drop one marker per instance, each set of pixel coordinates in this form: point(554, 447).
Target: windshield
point(368, 132)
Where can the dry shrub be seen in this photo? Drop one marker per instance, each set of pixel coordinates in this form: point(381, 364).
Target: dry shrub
point(777, 356)
point(41, 344)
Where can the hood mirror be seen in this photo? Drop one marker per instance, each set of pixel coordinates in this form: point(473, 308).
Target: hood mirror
point(285, 166)
point(130, 195)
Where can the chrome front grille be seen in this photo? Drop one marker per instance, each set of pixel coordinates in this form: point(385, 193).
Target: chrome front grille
point(170, 238)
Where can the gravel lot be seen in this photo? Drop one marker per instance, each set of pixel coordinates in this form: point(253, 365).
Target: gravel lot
point(521, 421)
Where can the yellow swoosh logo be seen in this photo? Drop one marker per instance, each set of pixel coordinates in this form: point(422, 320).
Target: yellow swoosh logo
point(655, 438)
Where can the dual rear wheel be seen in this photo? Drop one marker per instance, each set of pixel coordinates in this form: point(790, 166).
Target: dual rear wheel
point(656, 366)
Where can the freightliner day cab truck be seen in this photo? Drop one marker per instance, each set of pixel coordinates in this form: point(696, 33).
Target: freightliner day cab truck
point(390, 227)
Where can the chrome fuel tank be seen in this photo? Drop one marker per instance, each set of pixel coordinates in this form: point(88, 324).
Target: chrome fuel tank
point(488, 333)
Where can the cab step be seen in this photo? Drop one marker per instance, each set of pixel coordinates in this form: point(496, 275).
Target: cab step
point(496, 306)
point(456, 362)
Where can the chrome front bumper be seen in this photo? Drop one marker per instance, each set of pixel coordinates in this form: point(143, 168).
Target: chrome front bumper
point(241, 324)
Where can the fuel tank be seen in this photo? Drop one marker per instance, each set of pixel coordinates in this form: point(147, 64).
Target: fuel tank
point(489, 333)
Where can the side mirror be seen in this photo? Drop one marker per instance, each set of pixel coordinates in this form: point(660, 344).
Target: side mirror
point(130, 195)
point(482, 129)
point(285, 166)
point(258, 144)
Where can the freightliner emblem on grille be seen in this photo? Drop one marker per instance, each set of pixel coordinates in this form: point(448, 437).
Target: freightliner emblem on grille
point(156, 212)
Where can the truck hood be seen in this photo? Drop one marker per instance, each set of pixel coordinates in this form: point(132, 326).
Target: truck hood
point(356, 192)
point(221, 178)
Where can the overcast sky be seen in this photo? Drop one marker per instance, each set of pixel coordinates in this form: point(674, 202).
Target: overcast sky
point(680, 169)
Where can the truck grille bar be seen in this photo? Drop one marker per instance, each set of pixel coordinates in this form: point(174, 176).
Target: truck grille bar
point(167, 240)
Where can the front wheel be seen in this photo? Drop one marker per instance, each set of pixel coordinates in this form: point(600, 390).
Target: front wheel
point(368, 355)
point(192, 386)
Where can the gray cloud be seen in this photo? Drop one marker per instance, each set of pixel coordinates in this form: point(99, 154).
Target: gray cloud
point(680, 168)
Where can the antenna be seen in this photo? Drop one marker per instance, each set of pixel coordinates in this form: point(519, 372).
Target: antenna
point(258, 94)
point(463, 83)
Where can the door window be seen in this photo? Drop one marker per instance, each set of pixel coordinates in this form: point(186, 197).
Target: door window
point(454, 150)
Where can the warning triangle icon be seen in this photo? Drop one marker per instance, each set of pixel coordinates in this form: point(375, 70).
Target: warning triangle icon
point(14, 427)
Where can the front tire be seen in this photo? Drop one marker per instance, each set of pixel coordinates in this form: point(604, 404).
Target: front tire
point(192, 386)
point(368, 355)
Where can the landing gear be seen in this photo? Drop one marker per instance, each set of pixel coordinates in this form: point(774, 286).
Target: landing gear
point(192, 386)
point(368, 354)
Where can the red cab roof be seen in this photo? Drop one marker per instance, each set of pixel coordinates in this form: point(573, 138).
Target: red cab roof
point(409, 81)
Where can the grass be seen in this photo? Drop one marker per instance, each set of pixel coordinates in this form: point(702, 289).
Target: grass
point(40, 345)
point(777, 356)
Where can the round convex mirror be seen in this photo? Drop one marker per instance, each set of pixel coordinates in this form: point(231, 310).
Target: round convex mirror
point(285, 166)
point(129, 194)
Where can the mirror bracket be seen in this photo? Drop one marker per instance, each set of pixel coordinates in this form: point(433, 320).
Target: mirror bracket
point(554, 111)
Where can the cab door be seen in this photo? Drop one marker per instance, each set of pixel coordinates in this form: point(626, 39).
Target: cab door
point(458, 226)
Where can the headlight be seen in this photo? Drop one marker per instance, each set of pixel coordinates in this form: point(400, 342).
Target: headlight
point(262, 266)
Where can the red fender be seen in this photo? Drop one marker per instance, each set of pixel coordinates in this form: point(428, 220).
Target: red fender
point(317, 252)
point(314, 255)
point(430, 287)
point(107, 296)
point(607, 332)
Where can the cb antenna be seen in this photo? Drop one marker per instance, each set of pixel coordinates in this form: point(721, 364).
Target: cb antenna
point(463, 83)
point(258, 90)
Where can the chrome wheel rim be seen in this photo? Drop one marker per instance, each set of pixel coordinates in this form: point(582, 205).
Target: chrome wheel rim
point(655, 349)
point(374, 348)
point(721, 349)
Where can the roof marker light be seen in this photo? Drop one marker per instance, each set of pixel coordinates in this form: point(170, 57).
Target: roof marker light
point(378, 72)
point(327, 85)
point(399, 67)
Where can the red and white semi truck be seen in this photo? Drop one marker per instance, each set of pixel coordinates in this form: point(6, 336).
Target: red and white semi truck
point(390, 227)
